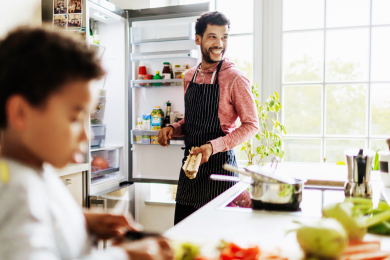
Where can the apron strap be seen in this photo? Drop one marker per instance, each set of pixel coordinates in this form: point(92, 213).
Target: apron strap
point(215, 72)
point(196, 72)
point(218, 69)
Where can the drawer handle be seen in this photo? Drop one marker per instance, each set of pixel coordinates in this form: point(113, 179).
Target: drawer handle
point(67, 181)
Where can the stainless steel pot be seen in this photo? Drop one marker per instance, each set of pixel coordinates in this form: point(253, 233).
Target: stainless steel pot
point(276, 196)
point(270, 195)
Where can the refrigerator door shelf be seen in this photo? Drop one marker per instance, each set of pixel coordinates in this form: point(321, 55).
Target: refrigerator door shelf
point(174, 141)
point(158, 82)
point(162, 33)
point(104, 172)
point(193, 54)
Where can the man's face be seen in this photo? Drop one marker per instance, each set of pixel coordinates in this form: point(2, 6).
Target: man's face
point(213, 43)
point(55, 132)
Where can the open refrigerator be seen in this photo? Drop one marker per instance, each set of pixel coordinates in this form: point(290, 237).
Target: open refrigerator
point(127, 38)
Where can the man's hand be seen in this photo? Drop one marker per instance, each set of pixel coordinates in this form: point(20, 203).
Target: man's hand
point(148, 249)
point(206, 150)
point(107, 226)
point(164, 134)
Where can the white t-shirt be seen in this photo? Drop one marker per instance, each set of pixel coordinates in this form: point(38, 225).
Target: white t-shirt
point(39, 219)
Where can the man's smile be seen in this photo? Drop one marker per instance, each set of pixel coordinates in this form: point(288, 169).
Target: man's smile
point(216, 51)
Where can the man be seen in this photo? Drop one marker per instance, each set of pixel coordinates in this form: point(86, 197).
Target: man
point(216, 95)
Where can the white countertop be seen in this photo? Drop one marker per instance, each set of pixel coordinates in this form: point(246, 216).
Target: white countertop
point(267, 229)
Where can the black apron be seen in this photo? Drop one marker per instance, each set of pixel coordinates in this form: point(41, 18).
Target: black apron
point(202, 125)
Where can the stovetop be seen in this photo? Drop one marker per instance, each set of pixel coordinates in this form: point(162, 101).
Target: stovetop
point(312, 202)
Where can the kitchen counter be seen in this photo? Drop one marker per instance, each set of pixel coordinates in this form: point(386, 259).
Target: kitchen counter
point(214, 222)
point(71, 169)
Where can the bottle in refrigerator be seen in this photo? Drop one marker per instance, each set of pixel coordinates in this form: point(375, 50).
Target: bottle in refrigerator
point(142, 68)
point(157, 76)
point(166, 73)
point(167, 120)
point(90, 31)
point(157, 118)
point(96, 33)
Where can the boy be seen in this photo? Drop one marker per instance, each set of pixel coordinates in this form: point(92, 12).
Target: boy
point(45, 99)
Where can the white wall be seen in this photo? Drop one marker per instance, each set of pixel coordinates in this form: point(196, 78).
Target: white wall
point(132, 4)
point(14, 13)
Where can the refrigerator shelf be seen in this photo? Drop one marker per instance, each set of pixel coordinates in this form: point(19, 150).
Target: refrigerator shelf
point(192, 54)
point(163, 33)
point(106, 147)
point(151, 83)
point(104, 172)
point(175, 144)
point(145, 132)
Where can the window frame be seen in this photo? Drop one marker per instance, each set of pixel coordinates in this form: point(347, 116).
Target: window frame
point(272, 70)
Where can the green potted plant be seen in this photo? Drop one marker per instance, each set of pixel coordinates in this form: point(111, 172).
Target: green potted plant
point(269, 138)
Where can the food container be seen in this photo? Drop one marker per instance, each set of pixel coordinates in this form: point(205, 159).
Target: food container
point(98, 135)
point(138, 139)
point(148, 77)
point(146, 139)
point(146, 122)
point(154, 139)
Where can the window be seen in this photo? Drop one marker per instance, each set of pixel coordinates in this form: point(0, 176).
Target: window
point(240, 44)
point(335, 77)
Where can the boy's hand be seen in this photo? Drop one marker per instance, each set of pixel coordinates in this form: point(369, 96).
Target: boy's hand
point(148, 249)
point(107, 226)
point(206, 150)
point(163, 134)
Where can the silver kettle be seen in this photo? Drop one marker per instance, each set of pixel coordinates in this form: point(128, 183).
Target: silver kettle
point(359, 172)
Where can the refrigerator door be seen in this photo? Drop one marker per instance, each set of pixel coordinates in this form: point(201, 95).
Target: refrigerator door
point(157, 36)
point(109, 148)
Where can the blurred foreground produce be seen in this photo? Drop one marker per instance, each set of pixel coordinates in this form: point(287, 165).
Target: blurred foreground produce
point(357, 214)
point(185, 251)
point(325, 238)
point(225, 251)
point(352, 222)
point(231, 251)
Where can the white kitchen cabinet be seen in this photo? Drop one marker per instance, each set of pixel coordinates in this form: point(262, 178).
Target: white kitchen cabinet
point(74, 183)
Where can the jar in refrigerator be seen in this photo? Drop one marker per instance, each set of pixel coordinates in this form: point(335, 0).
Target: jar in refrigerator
point(166, 73)
point(179, 117)
point(138, 139)
point(148, 77)
point(146, 139)
point(173, 116)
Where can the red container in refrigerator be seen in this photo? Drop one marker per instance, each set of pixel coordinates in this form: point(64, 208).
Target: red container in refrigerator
point(141, 69)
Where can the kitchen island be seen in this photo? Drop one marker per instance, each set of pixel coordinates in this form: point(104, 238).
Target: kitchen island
point(267, 229)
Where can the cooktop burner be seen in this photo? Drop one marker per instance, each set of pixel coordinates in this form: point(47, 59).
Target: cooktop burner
point(311, 205)
point(244, 201)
